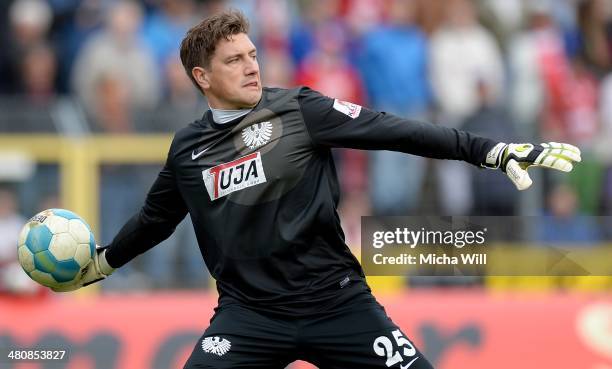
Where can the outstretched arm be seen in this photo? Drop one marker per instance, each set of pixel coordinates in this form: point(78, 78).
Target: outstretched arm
point(335, 123)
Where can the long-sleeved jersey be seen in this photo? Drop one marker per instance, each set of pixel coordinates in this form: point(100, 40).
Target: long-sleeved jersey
point(262, 193)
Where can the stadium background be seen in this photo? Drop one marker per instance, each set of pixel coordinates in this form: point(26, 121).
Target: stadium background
point(91, 91)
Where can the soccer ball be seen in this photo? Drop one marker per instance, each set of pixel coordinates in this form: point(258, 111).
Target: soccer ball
point(54, 247)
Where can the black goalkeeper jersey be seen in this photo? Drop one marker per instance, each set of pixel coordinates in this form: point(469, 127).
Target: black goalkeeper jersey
point(262, 193)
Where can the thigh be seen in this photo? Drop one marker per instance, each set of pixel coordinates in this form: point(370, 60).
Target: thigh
point(241, 338)
point(361, 339)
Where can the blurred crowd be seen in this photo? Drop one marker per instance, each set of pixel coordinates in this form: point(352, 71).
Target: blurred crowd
point(512, 70)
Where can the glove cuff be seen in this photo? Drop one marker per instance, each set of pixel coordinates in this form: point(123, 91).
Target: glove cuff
point(494, 156)
point(103, 267)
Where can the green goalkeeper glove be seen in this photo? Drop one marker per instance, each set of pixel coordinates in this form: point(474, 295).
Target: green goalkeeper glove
point(97, 269)
point(515, 159)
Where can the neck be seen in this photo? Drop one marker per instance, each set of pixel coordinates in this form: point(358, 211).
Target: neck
point(221, 116)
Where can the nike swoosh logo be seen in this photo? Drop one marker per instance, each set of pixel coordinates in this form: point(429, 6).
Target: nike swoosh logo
point(195, 155)
point(408, 365)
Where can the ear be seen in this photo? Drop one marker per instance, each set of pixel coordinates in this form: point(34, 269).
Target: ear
point(201, 76)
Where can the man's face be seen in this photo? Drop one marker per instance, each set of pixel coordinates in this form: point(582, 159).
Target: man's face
point(232, 80)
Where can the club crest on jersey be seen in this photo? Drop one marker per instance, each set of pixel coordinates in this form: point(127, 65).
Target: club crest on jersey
point(236, 175)
point(348, 108)
point(216, 345)
point(257, 134)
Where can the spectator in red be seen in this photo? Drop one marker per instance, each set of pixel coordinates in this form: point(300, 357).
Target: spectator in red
point(567, 101)
point(327, 69)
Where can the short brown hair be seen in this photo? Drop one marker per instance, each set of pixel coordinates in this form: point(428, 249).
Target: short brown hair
point(198, 46)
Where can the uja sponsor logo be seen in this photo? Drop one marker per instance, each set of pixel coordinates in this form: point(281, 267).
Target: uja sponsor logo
point(233, 176)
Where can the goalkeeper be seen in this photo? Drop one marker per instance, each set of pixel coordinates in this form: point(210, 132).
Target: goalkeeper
point(257, 178)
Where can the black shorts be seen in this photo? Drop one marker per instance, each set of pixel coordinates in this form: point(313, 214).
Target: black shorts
point(360, 337)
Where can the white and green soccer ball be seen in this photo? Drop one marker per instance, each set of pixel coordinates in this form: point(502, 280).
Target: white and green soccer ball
point(54, 247)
